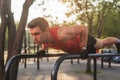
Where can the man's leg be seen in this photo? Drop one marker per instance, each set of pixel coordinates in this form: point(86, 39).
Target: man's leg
point(109, 41)
point(101, 43)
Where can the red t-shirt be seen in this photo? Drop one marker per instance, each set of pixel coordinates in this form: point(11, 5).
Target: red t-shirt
point(70, 46)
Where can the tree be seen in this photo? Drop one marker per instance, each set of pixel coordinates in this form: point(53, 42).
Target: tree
point(2, 36)
point(94, 13)
point(17, 46)
point(112, 25)
point(15, 39)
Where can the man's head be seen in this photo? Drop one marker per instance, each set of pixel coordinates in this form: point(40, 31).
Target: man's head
point(42, 23)
point(38, 28)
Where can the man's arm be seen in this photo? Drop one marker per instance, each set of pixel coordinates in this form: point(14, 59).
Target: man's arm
point(42, 51)
point(66, 33)
point(83, 38)
point(43, 47)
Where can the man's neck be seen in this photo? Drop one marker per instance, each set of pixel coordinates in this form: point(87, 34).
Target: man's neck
point(49, 38)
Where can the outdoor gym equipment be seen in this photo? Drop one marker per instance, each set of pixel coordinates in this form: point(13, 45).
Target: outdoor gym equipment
point(58, 62)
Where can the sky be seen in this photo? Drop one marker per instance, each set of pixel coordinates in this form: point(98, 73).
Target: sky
point(17, 10)
point(16, 6)
point(54, 8)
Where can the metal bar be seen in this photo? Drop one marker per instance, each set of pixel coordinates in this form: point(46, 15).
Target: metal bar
point(55, 69)
point(78, 61)
point(38, 63)
point(25, 66)
point(109, 62)
point(11, 60)
point(58, 62)
point(102, 62)
point(71, 61)
point(20, 56)
point(95, 69)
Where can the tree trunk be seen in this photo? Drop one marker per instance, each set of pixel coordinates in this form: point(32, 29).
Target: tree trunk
point(17, 46)
point(11, 29)
point(0, 7)
point(2, 37)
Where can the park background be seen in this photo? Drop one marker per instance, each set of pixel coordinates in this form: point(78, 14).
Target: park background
point(101, 16)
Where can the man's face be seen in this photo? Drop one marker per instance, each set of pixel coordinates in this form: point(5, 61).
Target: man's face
point(37, 35)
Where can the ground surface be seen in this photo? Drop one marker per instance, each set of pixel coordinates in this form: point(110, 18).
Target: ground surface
point(67, 71)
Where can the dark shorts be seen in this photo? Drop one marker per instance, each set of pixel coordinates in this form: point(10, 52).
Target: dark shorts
point(90, 44)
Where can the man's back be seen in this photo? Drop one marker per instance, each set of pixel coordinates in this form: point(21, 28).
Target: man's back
point(70, 46)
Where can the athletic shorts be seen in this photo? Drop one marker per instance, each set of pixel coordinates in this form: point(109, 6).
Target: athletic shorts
point(90, 44)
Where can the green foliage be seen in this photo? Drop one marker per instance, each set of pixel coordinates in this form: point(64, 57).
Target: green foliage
point(94, 13)
point(112, 25)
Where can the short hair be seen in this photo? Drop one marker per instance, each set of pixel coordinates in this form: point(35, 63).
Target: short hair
point(42, 23)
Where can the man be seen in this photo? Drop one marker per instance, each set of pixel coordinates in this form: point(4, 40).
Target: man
point(72, 39)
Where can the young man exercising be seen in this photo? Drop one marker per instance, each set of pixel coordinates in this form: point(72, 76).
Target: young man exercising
point(72, 39)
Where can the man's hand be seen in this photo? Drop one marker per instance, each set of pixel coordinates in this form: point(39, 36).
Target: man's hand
point(84, 54)
point(40, 53)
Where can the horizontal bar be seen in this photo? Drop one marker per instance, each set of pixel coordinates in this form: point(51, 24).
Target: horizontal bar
point(54, 72)
point(69, 56)
point(20, 56)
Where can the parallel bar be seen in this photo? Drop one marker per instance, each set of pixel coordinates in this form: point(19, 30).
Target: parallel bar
point(55, 69)
point(58, 62)
point(109, 62)
point(95, 69)
point(102, 62)
point(20, 56)
point(11, 60)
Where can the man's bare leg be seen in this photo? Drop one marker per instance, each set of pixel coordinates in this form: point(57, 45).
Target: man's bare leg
point(101, 43)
